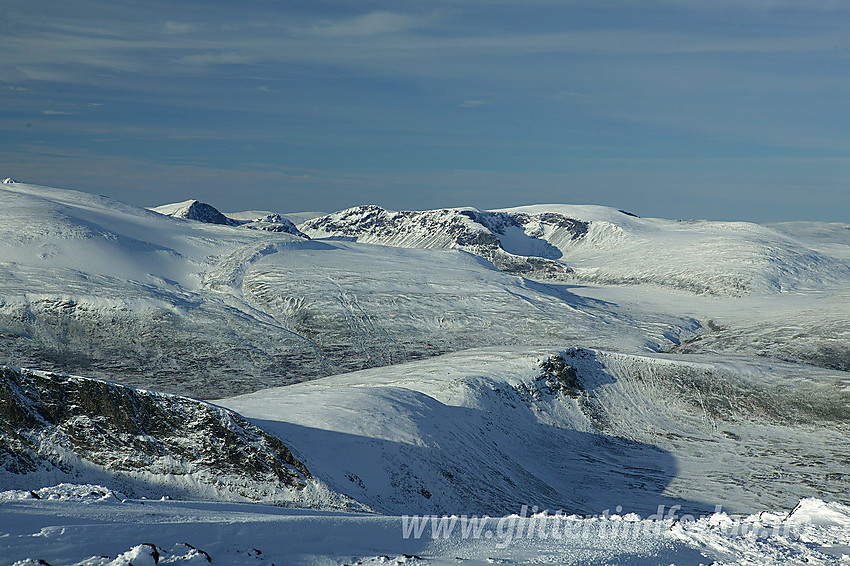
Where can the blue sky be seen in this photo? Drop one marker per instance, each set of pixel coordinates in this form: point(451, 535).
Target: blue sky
point(678, 109)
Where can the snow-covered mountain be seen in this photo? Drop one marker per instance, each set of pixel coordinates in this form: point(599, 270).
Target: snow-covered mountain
point(453, 360)
point(496, 237)
point(477, 432)
point(600, 245)
point(485, 431)
point(202, 212)
point(195, 210)
point(95, 287)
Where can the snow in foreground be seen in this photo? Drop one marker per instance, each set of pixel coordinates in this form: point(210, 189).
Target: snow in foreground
point(87, 524)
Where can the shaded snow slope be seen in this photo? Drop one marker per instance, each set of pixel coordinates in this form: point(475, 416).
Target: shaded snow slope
point(58, 427)
point(486, 431)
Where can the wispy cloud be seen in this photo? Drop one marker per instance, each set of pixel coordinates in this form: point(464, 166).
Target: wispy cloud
point(172, 27)
point(371, 24)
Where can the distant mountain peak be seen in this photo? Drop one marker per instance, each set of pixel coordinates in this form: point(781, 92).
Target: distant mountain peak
point(202, 212)
point(196, 210)
point(506, 240)
point(274, 223)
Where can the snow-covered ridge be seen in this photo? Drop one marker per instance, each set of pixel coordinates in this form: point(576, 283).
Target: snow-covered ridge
point(601, 245)
point(142, 443)
point(496, 237)
point(485, 431)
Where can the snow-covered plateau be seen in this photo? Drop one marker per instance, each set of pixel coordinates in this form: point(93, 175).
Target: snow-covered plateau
point(367, 385)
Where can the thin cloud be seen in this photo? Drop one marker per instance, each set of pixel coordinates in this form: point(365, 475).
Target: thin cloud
point(372, 24)
point(176, 28)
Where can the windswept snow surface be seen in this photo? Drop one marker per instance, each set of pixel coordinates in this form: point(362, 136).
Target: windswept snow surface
point(93, 526)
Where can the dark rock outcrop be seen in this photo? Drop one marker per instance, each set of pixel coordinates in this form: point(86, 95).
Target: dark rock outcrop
point(73, 425)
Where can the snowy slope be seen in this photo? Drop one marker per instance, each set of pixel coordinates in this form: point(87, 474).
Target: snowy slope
point(485, 431)
point(364, 305)
point(90, 285)
point(92, 527)
point(600, 245)
point(703, 257)
point(95, 287)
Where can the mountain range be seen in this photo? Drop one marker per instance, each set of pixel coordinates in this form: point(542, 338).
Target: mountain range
point(442, 361)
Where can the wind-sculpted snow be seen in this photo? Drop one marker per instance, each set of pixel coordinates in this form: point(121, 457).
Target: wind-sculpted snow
point(141, 442)
point(363, 305)
point(485, 431)
point(109, 532)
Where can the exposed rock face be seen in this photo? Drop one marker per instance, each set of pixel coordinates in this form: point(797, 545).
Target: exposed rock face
point(147, 441)
point(558, 375)
point(512, 242)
